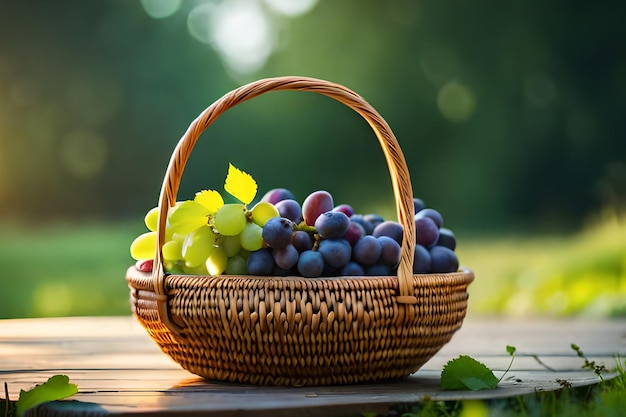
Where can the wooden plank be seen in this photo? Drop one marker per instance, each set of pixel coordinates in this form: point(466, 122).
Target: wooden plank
point(120, 371)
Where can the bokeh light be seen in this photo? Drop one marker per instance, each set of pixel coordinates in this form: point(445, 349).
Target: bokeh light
point(456, 102)
point(199, 22)
point(160, 9)
point(243, 32)
point(243, 35)
point(52, 299)
point(291, 8)
point(83, 153)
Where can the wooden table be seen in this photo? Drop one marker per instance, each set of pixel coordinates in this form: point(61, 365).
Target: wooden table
point(120, 371)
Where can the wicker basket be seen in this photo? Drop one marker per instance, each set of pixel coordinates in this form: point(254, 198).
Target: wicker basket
point(292, 330)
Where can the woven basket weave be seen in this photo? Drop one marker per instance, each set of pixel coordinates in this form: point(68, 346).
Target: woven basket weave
point(293, 330)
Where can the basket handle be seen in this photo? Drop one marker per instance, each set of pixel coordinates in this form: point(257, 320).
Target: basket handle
point(391, 148)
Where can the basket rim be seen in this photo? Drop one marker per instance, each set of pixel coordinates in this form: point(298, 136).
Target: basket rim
point(145, 281)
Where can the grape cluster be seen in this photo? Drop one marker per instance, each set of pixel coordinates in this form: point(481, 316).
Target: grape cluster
point(219, 244)
point(280, 237)
point(321, 239)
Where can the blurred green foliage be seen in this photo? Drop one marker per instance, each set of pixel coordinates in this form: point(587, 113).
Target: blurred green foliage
point(79, 270)
point(510, 116)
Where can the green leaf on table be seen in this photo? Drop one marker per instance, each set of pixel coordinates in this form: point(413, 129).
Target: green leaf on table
point(55, 388)
point(466, 373)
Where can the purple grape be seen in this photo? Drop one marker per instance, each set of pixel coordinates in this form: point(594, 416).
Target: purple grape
point(345, 209)
point(390, 251)
point(277, 194)
point(421, 261)
point(354, 233)
point(389, 228)
point(286, 257)
point(260, 262)
point(426, 231)
point(367, 226)
point(446, 238)
point(367, 250)
point(315, 204)
point(352, 269)
point(374, 219)
point(289, 209)
point(302, 241)
point(336, 252)
point(332, 224)
point(277, 232)
point(310, 264)
point(378, 270)
point(431, 213)
point(418, 205)
point(443, 260)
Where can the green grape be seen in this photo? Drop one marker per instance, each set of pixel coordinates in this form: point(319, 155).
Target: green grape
point(151, 219)
point(197, 246)
point(195, 270)
point(230, 244)
point(172, 250)
point(237, 265)
point(251, 237)
point(173, 267)
point(262, 212)
point(143, 246)
point(216, 263)
point(174, 236)
point(230, 219)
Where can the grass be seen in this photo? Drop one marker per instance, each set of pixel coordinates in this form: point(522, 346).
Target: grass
point(606, 399)
point(582, 274)
point(64, 270)
point(69, 270)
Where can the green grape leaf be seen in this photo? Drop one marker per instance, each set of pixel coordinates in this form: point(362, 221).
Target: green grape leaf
point(56, 388)
point(187, 217)
point(466, 373)
point(240, 185)
point(210, 199)
point(510, 350)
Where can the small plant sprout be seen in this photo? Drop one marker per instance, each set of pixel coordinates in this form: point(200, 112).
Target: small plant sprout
point(597, 369)
point(511, 351)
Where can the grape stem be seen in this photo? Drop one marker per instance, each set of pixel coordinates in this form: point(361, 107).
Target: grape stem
point(304, 228)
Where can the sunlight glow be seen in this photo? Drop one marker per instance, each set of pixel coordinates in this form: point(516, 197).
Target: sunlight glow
point(243, 32)
point(243, 35)
point(239, 30)
point(291, 8)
